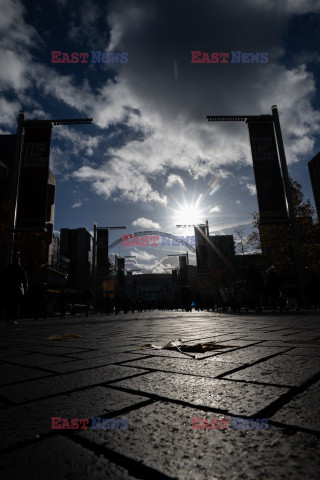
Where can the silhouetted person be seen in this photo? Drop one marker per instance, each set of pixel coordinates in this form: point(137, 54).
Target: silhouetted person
point(14, 288)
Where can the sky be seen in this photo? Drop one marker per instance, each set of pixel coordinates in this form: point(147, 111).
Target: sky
point(151, 160)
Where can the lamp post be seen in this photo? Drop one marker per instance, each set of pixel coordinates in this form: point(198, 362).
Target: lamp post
point(289, 196)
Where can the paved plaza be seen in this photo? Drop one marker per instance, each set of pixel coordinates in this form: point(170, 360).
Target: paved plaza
point(264, 367)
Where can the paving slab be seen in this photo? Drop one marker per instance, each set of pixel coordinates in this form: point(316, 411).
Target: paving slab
point(234, 397)
point(106, 374)
point(280, 370)
point(14, 373)
point(199, 368)
point(161, 436)
point(303, 410)
point(74, 462)
point(24, 422)
point(34, 390)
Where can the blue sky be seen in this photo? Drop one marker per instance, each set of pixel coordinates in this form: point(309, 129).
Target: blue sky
point(151, 160)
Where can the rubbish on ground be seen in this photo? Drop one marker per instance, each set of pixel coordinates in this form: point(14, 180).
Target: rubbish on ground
point(183, 347)
point(62, 337)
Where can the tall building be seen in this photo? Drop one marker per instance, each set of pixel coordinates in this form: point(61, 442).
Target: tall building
point(77, 245)
point(35, 246)
point(221, 260)
point(314, 172)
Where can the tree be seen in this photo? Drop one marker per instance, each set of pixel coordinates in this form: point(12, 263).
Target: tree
point(275, 241)
point(240, 239)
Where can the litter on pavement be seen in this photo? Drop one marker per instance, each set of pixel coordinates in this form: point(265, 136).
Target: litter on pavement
point(184, 347)
point(62, 337)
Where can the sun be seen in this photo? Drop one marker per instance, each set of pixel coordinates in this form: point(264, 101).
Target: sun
point(189, 215)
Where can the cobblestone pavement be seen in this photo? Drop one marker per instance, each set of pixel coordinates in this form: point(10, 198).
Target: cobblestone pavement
point(269, 368)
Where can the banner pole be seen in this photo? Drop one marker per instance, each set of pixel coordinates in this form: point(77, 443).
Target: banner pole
point(15, 189)
point(289, 195)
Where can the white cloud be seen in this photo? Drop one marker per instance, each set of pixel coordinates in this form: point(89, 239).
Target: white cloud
point(175, 180)
point(76, 205)
point(121, 182)
point(145, 256)
point(171, 121)
point(216, 208)
point(146, 223)
point(251, 188)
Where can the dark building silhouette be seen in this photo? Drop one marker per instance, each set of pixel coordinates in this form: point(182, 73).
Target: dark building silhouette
point(77, 245)
point(314, 172)
point(35, 246)
point(149, 286)
point(221, 260)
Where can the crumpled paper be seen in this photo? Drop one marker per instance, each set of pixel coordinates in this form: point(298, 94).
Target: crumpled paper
point(183, 347)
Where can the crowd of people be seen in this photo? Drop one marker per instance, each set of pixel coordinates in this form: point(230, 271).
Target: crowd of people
point(259, 289)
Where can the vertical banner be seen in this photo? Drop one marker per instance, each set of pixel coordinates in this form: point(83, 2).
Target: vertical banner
point(102, 252)
point(32, 202)
point(270, 190)
point(201, 248)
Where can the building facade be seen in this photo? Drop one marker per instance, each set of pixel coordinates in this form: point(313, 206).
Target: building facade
point(314, 172)
point(77, 245)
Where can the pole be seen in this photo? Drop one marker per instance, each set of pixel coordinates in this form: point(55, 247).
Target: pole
point(14, 190)
point(94, 266)
point(207, 228)
point(292, 217)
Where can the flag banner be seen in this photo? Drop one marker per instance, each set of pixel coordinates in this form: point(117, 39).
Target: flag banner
point(201, 248)
point(32, 201)
point(269, 184)
point(102, 252)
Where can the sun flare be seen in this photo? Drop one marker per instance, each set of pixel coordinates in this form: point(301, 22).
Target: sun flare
point(189, 215)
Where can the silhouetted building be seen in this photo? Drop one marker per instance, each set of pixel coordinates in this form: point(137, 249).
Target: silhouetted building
point(77, 245)
point(221, 260)
point(150, 286)
point(314, 172)
point(34, 245)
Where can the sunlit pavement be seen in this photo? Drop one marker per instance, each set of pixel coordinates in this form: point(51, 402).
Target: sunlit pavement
point(269, 369)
